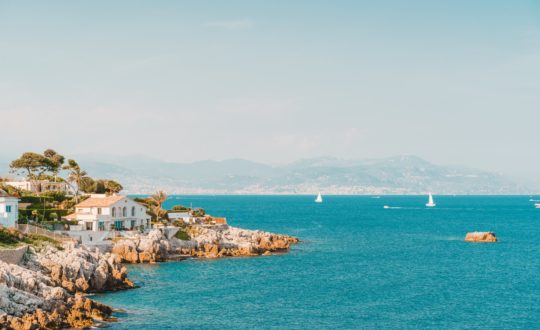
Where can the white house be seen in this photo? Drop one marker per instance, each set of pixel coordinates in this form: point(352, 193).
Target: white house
point(184, 216)
point(38, 186)
point(9, 213)
point(104, 213)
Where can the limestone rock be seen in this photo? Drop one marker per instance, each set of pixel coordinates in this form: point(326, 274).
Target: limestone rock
point(143, 248)
point(482, 237)
point(207, 241)
point(81, 270)
point(31, 300)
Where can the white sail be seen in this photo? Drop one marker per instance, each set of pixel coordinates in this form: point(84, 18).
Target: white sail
point(430, 202)
point(319, 198)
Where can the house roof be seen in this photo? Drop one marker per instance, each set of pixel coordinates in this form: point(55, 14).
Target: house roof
point(100, 201)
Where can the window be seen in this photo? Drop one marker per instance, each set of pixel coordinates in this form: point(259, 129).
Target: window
point(124, 212)
point(133, 211)
point(118, 224)
point(113, 212)
point(101, 226)
point(99, 210)
point(8, 208)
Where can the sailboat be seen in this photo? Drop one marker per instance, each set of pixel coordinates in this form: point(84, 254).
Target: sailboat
point(319, 198)
point(430, 202)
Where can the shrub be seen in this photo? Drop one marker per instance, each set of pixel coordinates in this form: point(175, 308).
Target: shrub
point(35, 199)
point(40, 240)
point(182, 235)
point(42, 214)
point(179, 208)
point(198, 213)
point(179, 223)
point(8, 238)
point(55, 195)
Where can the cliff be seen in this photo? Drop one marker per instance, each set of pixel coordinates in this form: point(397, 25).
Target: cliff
point(45, 291)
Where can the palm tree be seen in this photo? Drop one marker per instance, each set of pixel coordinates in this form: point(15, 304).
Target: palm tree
point(76, 175)
point(159, 197)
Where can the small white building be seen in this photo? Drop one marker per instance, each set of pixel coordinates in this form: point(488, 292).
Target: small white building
point(105, 213)
point(9, 210)
point(39, 186)
point(184, 216)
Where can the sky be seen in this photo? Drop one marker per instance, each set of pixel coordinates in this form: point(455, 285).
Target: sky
point(454, 82)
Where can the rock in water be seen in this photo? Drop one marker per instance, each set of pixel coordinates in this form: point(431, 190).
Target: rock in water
point(481, 237)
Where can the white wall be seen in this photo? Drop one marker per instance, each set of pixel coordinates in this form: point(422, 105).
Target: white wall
point(9, 219)
point(106, 214)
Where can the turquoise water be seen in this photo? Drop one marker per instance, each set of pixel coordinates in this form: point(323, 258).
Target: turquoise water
point(360, 266)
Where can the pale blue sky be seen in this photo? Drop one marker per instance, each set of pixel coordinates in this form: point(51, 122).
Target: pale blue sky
point(455, 82)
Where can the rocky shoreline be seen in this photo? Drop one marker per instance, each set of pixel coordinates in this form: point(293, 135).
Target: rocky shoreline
point(209, 242)
point(47, 289)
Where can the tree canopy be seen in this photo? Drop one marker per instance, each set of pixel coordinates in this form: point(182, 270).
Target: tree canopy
point(32, 163)
point(55, 161)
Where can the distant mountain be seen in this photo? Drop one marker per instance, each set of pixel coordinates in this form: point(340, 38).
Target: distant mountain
point(395, 175)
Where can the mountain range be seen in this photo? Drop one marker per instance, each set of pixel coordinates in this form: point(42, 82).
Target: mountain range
point(394, 175)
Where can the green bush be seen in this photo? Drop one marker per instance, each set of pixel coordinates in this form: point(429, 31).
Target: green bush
point(63, 222)
point(39, 240)
point(182, 235)
point(179, 208)
point(35, 199)
point(42, 213)
point(7, 238)
point(55, 195)
point(198, 213)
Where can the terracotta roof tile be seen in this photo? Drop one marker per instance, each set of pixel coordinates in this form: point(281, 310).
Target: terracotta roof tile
point(100, 201)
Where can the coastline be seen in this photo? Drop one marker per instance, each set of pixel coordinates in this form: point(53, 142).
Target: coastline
point(49, 287)
point(209, 242)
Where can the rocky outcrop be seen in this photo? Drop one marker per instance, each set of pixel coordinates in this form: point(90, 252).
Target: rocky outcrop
point(481, 237)
point(206, 242)
point(31, 300)
point(226, 241)
point(143, 248)
point(45, 291)
point(79, 269)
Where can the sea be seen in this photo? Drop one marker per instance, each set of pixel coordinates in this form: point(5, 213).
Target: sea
point(359, 266)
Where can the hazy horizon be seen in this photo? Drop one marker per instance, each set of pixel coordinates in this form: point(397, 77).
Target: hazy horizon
point(454, 83)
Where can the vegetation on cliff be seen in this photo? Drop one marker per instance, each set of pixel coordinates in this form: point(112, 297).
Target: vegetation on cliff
point(10, 238)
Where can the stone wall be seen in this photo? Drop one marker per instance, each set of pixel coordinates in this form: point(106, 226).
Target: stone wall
point(13, 256)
